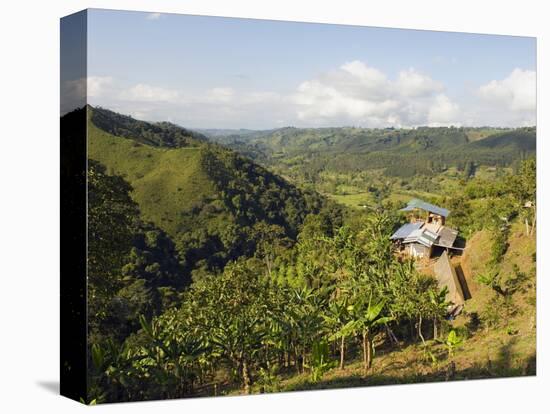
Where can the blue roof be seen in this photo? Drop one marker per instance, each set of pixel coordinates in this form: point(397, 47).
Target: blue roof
point(416, 203)
point(405, 230)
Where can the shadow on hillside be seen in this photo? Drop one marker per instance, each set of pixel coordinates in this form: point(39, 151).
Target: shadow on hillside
point(460, 242)
point(504, 366)
point(463, 284)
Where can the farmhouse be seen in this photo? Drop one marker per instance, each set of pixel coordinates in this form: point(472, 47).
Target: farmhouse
point(425, 236)
point(426, 230)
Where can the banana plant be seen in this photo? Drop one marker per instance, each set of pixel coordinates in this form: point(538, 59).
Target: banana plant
point(320, 361)
point(175, 350)
point(338, 321)
point(438, 306)
point(368, 319)
point(452, 342)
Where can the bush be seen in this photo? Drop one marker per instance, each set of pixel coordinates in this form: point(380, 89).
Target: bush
point(500, 242)
point(320, 361)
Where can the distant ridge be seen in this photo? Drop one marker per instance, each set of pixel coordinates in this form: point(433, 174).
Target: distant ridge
point(155, 134)
point(413, 151)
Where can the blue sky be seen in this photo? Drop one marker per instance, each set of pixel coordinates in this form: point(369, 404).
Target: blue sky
point(211, 72)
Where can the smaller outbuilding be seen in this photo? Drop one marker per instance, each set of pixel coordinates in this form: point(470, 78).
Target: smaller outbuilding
point(432, 213)
point(446, 276)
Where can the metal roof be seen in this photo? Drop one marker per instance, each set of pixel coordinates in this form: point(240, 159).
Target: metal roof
point(416, 233)
point(447, 237)
point(416, 203)
point(406, 230)
point(427, 238)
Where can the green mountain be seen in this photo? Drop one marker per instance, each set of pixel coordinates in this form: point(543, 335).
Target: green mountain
point(214, 203)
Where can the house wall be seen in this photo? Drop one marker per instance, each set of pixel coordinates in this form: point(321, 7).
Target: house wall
point(435, 218)
point(447, 277)
point(418, 250)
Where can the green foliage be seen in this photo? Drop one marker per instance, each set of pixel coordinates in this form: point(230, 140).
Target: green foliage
point(128, 260)
point(501, 307)
point(500, 242)
point(368, 318)
point(320, 361)
point(268, 380)
point(452, 342)
point(461, 211)
point(503, 285)
point(112, 216)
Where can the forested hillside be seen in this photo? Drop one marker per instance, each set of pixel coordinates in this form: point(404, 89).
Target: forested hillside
point(160, 134)
point(211, 201)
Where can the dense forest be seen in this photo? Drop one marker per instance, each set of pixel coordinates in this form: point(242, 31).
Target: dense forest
point(262, 262)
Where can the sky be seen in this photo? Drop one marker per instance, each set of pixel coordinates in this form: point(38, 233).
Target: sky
point(212, 72)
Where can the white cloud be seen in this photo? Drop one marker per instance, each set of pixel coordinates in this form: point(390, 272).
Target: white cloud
point(443, 112)
point(351, 94)
point(220, 107)
point(317, 99)
point(414, 84)
point(254, 98)
point(507, 102)
point(77, 92)
point(143, 92)
point(368, 79)
point(154, 16)
point(220, 95)
point(359, 94)
point(98, 85)
point(517, 91)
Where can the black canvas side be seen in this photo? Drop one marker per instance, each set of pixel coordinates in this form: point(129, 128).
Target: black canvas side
point(73, 358)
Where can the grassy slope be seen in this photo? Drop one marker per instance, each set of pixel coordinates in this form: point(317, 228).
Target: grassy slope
point(515, 343)
point(166, 182)
point(474, 262)
point(478, 134)
point(519, 140)
point(353, 200)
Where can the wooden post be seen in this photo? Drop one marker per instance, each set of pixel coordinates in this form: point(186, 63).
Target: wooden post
point(534, 219)
point(342, 352)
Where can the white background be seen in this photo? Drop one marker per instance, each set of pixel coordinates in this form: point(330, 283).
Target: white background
point(29, 206)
